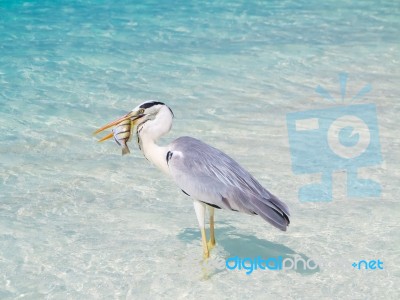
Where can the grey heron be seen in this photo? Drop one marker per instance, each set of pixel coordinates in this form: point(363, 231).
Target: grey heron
point(209, 176)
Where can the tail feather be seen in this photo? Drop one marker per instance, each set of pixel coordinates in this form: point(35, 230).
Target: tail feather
point(278, 204)
point(271, 212)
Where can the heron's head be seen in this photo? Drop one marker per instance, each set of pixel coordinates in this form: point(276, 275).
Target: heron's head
point(151, 117)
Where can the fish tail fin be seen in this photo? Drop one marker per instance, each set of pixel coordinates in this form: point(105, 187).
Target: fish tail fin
point(125, 150)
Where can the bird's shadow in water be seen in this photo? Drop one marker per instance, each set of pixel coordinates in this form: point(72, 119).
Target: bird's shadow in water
point(236, 244)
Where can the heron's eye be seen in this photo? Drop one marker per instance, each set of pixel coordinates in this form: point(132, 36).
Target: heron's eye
point(141, 111)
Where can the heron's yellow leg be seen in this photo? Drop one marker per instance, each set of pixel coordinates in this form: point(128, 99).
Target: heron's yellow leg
point(211, 242)
point(200, 209)
point(206, 253)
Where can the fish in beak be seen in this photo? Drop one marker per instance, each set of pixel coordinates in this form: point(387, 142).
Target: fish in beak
point(114, 123)
point(133, 115)
point(122, 131)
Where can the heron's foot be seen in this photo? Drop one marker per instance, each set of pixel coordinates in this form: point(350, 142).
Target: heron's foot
point(206, 254)
point(206, 251)
point(211, 244)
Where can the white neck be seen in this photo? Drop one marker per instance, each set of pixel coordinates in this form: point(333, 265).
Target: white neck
point(156, 154)
point(150, 132)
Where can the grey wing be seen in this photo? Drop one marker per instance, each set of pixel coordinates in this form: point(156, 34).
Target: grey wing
point(210, 176)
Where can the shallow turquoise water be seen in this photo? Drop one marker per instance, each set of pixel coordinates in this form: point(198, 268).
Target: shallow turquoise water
point(77, 220)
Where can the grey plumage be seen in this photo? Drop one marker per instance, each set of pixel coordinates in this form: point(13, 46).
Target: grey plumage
point(210, 176)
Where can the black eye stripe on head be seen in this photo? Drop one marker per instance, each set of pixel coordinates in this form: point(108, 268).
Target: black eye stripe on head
point(150, 104)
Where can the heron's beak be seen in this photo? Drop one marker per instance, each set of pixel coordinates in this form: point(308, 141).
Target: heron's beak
point(133, 115)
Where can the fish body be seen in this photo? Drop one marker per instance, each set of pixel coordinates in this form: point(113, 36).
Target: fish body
point(122, 134)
